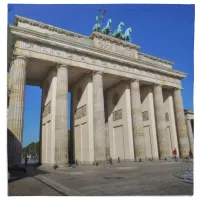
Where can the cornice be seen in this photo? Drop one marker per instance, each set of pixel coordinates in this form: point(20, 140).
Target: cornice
point(114, 40)
point(46, 26)
point(90, 50)
point(157, 59)
point(94, 34)
point(188, 111)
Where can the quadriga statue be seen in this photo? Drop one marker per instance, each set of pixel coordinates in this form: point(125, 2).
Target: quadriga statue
point(118, 33)
point(106, 29)
point(127, 35)
point(97, 26)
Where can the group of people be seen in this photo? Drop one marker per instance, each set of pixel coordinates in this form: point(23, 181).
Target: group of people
point(175, 154)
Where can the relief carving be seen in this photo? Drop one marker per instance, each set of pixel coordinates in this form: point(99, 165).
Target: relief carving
point(93, 61)
point(117, 115)
point(80, 112)
point(47, 109)
point(101, 44)
point(145, 115)
point(114, 48)
point(70, 56)
point(167, 117)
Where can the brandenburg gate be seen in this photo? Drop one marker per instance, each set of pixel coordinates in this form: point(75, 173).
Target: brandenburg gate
point(125, 104)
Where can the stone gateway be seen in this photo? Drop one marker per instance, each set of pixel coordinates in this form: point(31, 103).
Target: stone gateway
point(125, 104)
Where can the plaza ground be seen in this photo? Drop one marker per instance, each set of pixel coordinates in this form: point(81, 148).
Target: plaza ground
point(128, 178)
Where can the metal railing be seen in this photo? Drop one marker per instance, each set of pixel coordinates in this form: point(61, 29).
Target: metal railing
point(187, 170)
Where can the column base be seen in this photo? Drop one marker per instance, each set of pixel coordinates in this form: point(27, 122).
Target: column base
point(166, 158)
point(100, 162)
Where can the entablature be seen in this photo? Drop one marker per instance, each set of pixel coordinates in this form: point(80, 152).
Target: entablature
point(155, 60)
point(20, 33)
point(121, 57)
point(96, 39)
point(189, 114)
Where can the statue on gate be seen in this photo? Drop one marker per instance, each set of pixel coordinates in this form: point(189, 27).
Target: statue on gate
point(97, 26)
point(102, 12)
point(127, 35)
point(118, 33)
point(106, 30)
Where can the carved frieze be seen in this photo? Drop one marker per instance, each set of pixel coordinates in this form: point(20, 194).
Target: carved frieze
point(145, 115)
point(117, 48)
point(95, 61)
point(80, 112)
point(117, 115)
point(167, 117)
point(47, 109)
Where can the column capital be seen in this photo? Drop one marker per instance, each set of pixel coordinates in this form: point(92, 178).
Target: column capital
point(20, 57)
point(175, 89)
point(61, 65)
point(134, 80)
point(97, 72)
point(156, 84)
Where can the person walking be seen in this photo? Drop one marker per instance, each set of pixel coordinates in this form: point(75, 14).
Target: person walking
point(190, 154)
point(26, 160)
point(174, 152)
point(175, 155)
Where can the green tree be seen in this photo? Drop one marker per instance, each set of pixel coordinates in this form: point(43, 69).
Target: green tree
point(33, 148)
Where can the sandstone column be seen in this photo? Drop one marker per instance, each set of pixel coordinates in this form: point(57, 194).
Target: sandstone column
point(41, 117)
point(16, 109)
point(163, 140)
point(180, 124)
point(99, 119)
point(138, 133)
point(190, 134)
point(10, 75)
point(106, 127)
point(72, 142)
point(61, 128)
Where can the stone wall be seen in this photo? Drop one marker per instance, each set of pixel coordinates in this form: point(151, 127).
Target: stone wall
point(83, 126)
point(170, 120)
point(149, 125)
point(119, 122)
point(48, 118)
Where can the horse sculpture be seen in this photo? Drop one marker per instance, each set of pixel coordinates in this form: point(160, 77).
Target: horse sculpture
point(118, 33)
point(97, 26)
point(127, 36)
point(106, 29)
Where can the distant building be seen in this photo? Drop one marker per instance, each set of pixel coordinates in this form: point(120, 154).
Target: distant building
point(189, 117)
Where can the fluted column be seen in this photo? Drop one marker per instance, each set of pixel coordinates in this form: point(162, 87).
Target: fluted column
point(99, 118)
point(190, 134)
point(10, 75)
point(41, 113)
point(16, 110)
point(61, 122)
point(106, 128)
point(163, 139)
point(180, 124)
point(136, 108)
point(72, 142)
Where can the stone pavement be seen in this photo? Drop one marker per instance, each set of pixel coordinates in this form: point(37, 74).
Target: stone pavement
point(26, 184)
point(133, 178)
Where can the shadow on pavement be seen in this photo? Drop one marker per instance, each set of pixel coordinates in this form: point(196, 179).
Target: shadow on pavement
point(23, 172)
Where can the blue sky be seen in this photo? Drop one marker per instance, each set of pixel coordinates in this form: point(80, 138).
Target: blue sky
point(165, 31)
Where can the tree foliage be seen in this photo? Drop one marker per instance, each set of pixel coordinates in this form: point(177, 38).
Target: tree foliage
point(33, 149)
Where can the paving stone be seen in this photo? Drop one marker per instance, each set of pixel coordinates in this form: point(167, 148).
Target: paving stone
point(123, 179)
